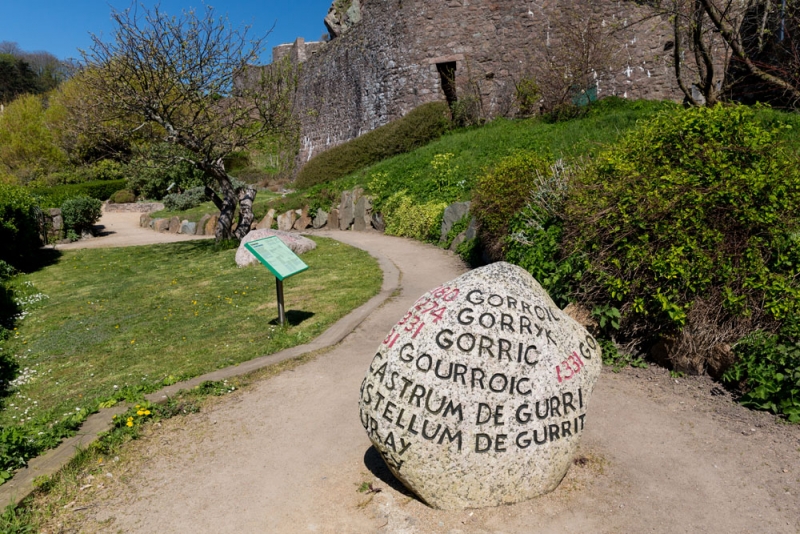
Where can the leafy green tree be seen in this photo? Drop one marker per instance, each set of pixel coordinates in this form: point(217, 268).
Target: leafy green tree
point(176, 75)
point(16, 78)
point(27, 145)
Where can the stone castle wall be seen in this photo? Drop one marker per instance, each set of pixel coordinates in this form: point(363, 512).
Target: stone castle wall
point(386, 64)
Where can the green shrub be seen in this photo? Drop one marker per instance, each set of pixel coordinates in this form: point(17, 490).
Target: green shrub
point(406, 218)
point(419, 127)
point(500, 193)
point(53, 197)
point(150, 178)
point(186, 200)
point(767, 370)
point(123, 196)
point(80, 214)
point(19, 229)
point(690, 224)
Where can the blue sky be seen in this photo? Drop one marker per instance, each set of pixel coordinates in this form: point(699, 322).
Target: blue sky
point(62, 26)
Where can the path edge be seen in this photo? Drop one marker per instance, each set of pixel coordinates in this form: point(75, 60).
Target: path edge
point(21, 485)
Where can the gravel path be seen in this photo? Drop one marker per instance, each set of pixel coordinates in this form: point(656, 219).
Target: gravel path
point(659, 454)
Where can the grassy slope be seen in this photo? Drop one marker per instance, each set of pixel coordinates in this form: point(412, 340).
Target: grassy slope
point(133, 317)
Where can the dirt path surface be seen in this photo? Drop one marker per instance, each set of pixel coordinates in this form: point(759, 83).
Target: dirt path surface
point(287, 455)
point(120, 229)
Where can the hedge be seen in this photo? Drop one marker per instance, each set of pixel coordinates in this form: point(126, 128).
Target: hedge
point(53, 197)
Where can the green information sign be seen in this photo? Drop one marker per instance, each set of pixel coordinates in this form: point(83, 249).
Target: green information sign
point(276, 257)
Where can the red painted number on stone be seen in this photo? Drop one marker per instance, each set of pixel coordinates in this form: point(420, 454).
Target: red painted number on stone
point(391, 338)
point(570, 367)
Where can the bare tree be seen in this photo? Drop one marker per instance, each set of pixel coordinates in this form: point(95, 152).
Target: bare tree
point(176, 74)
point(579, 53)
point(764, 39)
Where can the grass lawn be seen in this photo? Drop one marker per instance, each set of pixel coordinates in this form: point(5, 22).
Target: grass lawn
point(113, 323)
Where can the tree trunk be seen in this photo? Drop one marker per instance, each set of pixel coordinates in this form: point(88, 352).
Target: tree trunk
point(246, 196)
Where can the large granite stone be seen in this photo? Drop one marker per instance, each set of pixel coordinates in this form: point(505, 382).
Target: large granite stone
point(286, 220)
point(452, 214)
point(478, 396)
point(201, 224)
point(297, 243)
point(174, 225)
point(267, 221)
point(346, 210)
point(333, 219)
point(161, 225)
point(188, 228)
point(211, 225)
point(144, 220)
point(303, 220)
point(362, 214)
point(321, 219)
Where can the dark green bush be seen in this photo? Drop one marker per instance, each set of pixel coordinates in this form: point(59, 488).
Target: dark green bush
point(690, 224)
point(19, 229)
point(53, 197)
point(123, 196)
point(419, 127)
point(767, 371)
point(501, 193)
point(186, 200)
point(80, 214)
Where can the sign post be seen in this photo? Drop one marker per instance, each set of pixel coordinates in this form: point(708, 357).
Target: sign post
point(280, 260)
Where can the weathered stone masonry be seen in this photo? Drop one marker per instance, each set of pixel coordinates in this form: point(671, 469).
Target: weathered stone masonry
point(386, 64)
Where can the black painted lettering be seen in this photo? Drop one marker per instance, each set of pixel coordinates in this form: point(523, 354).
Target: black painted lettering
point(567, 402)
point(582, 421)
point(486, 344)
point(417, 393)
point(389, 441)
point(451, 437)
point(555, 403)
point(377, 356)
point(407, 352)
point(388, 411)
point(523, 413)
point(430, 437)
point(477, 375)
point(391, 385)
point(540, 313)
point(550, 338)
point(443, 339)
point(406, 383)
point(475, 300)
point(525, 324)
point(399, 421)
point(378, 404)
point(544, 436)
point(544, 415)
point(459, 370)
point(480, 440)
point(504, 347)
point(565, 428)
point(428, 403)
point(512, 302)
point(455, 410)
point(482, 418)
point(519, 386)
point(487, 320)
point(554, 431)
point(404, 445)
point(498, 415)
point(468, 320)
point(368, 390)
point(523, 441)
point(381, 372)
point(442, 376)
point(528, 349)
point(495, 300)
point(526, 308)
point(421, 365)
point(506, 321)
point(580, 398)
point(500, 442)
point(498, 382)
point(411, 428)
point(471, 345)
